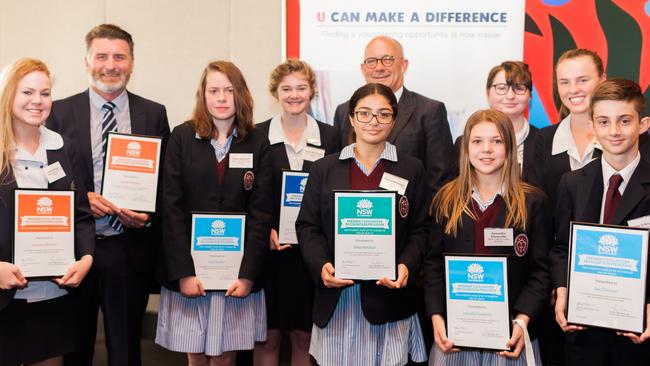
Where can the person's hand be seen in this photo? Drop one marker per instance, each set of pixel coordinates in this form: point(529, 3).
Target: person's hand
point(636, 338)
point(517, 341)
point(274, 242)
point(132, 219)
point(11, 277)
point(100, 206)
point(191, 286)
point(560, 310)
point(327, 275)
point(440, 334)
point(76, 273)
point(402, 278)
point(240, 287)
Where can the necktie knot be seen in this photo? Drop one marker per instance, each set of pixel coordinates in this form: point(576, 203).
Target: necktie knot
point(615, 181)
point(108, 106)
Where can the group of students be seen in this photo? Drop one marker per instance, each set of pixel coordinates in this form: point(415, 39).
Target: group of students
point(507, 177)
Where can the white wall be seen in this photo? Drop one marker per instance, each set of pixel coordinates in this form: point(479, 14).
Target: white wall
point(174, 40)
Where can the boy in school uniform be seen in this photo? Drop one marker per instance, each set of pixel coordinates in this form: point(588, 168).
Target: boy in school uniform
point(612, 190)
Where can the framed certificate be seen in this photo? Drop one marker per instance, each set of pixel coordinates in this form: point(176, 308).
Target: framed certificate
point(43, 232)
point(217, 248)
point(364, 234)
point(131, 171)
point(478, 311)
point(293, 187)
point(607, 276)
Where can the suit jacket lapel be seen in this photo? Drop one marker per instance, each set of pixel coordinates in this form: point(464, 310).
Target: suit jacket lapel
point(137, 115)
point(589, 193)
point(81, 116)
point(633, 193)
point(406, 106)
point(341, 174)
point(466, 242)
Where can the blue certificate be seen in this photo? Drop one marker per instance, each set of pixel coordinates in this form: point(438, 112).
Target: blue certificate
point(293, 188)
point(478, 314)
point(607, 276)
point(217, 248)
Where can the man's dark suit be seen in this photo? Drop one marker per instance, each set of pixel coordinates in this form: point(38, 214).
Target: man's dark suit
point(124, 265)
point(421, 130)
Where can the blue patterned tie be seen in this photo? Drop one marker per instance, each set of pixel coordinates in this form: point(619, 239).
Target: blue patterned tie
point(109, 124)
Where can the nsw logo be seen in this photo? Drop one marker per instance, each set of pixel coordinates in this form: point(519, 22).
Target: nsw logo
point(44, 206)
point(608, 245)
point(303, 183)
point(364, 207)
point(218, 227)
point(133, 149)
point(475, 272)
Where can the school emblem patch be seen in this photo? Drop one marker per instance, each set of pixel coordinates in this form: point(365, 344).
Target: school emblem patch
point(403, 207)
point(249, 178)
point(521, 245)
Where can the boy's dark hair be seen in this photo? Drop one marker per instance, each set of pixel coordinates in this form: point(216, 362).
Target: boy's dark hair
point(621, 90)
point(110, 31)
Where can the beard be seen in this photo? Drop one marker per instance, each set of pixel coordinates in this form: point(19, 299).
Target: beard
point(119, 85)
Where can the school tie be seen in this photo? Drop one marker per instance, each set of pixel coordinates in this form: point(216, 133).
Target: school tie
point(109, 124)
point(612, 198)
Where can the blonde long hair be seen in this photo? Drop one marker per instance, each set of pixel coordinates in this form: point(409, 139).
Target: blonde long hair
point(455, 197)
point(9, 79)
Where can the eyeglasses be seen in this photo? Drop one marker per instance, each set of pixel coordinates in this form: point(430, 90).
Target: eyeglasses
point(517, 88)
point(383, 118)
point(371, 62)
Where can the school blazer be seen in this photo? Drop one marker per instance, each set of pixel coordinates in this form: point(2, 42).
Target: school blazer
point(580, 196)
point(190, 185)
point(421, 130)
point(279, 161)
point(71, 118)
point(529, 281)
point(529, 154)
point(315, 229)
point(84, 221)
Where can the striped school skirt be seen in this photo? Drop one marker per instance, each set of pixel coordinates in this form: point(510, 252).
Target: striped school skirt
point(475, 357)
point(212, 325)
point(350, 339)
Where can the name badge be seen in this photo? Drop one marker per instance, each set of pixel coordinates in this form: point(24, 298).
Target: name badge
point(643, 222)
point(54, 172)
point(244, 161)
point(392, 182)
point(311, 153)
point(497, 237)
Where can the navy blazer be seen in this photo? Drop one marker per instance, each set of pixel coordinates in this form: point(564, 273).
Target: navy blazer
point(71, 118)
point(190, 185)
point(580, 196)
point(84, 221)
point(529, 280)
point(315, 229)
point(421, 130)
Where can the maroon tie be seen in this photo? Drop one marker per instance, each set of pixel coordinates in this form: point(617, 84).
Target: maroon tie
point(612, 198)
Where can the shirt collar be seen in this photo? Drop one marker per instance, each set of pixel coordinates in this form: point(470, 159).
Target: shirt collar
point(233, 134)
point(48, 140)
point(97, 101)
point(311, 134)
point(484, 205)
point(398, 93)
point(626, 173)
point(563, 140)
point(389, 153)
point(520, 136)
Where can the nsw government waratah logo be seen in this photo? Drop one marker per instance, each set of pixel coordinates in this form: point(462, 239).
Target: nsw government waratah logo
point(364, 207)
point(608, 244)
point(44, 205)
point(475, 272)
point(303, 183)
point(133, 149)
point(218, 227)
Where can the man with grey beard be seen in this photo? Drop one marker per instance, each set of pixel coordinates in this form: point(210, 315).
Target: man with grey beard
point(126, 241)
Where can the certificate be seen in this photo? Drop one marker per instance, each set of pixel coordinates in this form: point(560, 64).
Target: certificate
point(43, 232)
point(478, 314)
point(293, 187)
point(131, 169)
point(217, 248)
point(607, 276)
point(364, 235)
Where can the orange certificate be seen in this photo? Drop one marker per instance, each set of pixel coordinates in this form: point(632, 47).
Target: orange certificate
point(43, 232)
point(131, 171)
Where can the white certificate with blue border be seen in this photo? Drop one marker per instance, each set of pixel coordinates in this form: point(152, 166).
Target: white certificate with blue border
point(478, 314)
point(364, 235)
point(607, 276)
point(217, 248)
point(293, 188)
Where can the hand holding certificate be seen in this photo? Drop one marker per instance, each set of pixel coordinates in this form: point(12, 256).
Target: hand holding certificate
point(44, 232)
point(131, 171)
